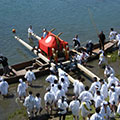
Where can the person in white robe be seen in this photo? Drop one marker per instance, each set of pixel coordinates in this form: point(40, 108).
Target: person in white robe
point(54, 87)
point(38, 106)
point(108, 71)
point(60, 93)
point(85, 108)
point(112, 34)
point(21, 89)
point(62, 107)
point(64, 85)
point(4, 87)
point(104, 89)
point(78, 86)
point(98, 99)
point(101, 58)
point(50, 79)
point(113, 100)
point(74, 107)
point(105, 110)
point(92, 87)
point(29, 104)
point(30, 76)
point(112, 79)
point(85, 95)
point(96, 115)
point(49, 99)
point(30, 31)
point(61, 75)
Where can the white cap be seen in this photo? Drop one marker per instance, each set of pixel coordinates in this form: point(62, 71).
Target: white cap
point(20, 80)
point(111, 75)
point(105, 102)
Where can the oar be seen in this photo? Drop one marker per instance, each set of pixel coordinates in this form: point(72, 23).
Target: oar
point(52, 30)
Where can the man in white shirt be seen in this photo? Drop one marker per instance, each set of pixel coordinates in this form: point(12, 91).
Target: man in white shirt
point(49, 99)
point(4, 87)
point(76, 42)
point(112, 79)
point(112, 34)
point(30, 76)
point(22, 87)
point(98, 99)
point(96, 115)
point(104, 89)
point(62, 107)
point(86, 95)
point(92, 87)
point(29, 104)
point(78, 86)
point(30, 31)
point(105, 111)
point(50, 79)
point(113, 99)
point(108, 71)
point(38, 106)
point(74, 107)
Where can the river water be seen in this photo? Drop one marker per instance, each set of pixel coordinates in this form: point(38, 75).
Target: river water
point(68, 16)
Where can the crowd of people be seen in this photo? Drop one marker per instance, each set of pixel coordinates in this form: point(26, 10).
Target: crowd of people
point(103, 96)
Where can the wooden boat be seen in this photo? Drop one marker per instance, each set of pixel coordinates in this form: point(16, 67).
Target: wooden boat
point(38, 66)
point(95, 52)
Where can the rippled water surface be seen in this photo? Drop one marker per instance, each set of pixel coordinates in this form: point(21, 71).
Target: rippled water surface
point(68, 16)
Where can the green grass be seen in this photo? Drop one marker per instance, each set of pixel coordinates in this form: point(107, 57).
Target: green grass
point(114, 57)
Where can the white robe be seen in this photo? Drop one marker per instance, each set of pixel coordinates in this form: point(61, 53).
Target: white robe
point(59, 94)
point(112, 35)
point(105, 115)
point(78, 87)
point(85, 108)
point(112, 97)
point(4, 87)
point(51, 78)
point(62, 106)
point(22, 89)
point(29, 103)
point(54, 88)
point(30, 76)
point(101, 59)
point(98, 100)
point(85, 95)
point(112, 79)
point(49, 98)
point(104, 90)
point(74, 106)
point(96, 116)
point(92, 87)
point(37, 103)
point(30, 31)
point(108, 72)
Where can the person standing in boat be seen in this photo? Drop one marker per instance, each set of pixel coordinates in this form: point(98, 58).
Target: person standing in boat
point(101, 40)
point(45, 32)
point(30, 76)
point(30, 31)
point(112, 34)
point(89, 47)
point(76, 42)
